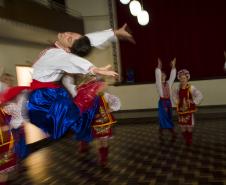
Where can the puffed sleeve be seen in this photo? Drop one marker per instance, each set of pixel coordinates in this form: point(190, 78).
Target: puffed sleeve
point(196, 95)
point(114, 102)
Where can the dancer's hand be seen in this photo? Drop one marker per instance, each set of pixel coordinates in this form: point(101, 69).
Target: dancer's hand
point(107, 67)
point(159, 63)
point(123, 34)
point(108, 73)
point(104, 71)
point(173, 63)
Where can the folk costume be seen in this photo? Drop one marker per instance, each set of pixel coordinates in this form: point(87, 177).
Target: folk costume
point(187, 99)
point(164, 104)
point(50, 106)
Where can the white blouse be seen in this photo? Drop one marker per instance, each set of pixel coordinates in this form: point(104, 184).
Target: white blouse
point(51, 66)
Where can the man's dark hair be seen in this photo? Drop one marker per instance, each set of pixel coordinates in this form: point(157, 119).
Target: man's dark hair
point(81, 47)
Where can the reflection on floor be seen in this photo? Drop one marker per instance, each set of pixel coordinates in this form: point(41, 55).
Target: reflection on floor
point(137, 157)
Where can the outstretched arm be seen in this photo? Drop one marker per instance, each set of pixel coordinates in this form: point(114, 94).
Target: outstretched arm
point(107, 67)
point(105, 71)
point(123, 34)
point(74, 64)
point(102, 39)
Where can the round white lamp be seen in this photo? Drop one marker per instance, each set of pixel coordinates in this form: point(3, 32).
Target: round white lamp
point(143, 18)
point(124, 1)
point(135, 7)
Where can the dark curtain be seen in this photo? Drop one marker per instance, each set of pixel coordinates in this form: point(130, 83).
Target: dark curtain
point(193, 31)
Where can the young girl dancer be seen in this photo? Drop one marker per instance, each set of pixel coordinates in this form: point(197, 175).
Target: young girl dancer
point(186, 97)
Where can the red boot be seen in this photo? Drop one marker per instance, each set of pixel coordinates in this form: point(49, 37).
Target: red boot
point(83, 147)
point(103, 156)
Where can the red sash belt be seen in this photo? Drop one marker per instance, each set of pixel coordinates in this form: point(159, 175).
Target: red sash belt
point(12, 92)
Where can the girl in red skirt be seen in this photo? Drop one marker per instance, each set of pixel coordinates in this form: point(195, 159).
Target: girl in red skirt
point(186, 97)
point(90, 89)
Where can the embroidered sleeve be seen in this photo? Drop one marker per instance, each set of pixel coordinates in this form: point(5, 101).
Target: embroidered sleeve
point(114, 102)
point(196, 95)
point(10, 108)
point(17, 110)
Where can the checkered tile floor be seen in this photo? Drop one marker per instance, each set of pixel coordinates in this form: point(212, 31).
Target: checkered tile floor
point(137, 157)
